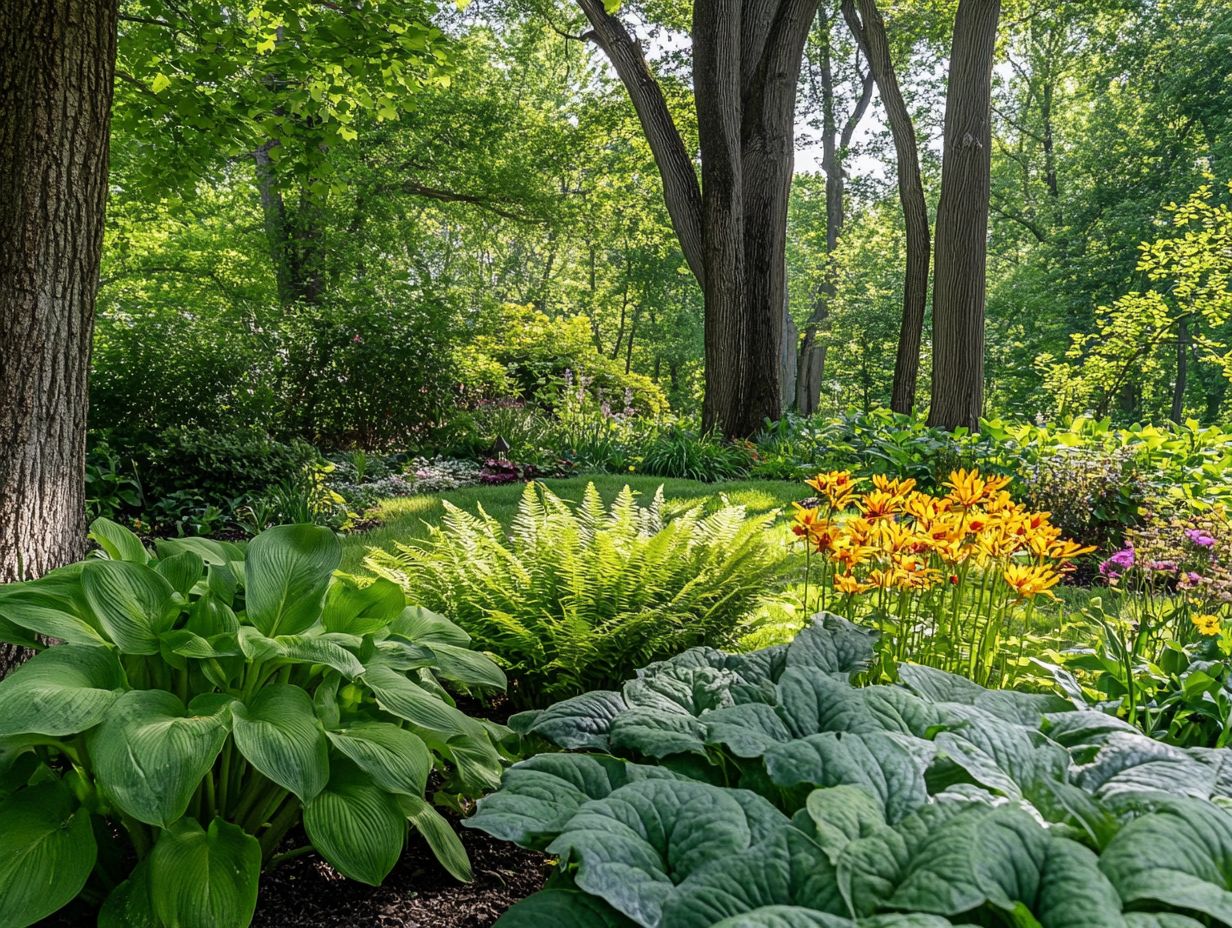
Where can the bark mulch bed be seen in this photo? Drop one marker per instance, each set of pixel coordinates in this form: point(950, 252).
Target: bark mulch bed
point(308, 893)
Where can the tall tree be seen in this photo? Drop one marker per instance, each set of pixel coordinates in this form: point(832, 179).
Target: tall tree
point(732, 226)
point(56, 69)
point(869, 28)
point(962, 221)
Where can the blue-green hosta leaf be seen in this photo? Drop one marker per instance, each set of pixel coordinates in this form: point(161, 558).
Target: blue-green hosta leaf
point(787, 868)
point(61, 691)
point(205, 879)
point(831, 644)
point(680, 690)
point(151, 753)
point(748, 730)
point(939, 687)
point(357, 827)
point(392, 757)
point(842, 814)
point(439, 835)
point(1134, 763)
point(287, 572)
point(1180, 856)
point(1011, 759)
point(299, 649)
point(47, 851)
point(278, 732)
point(653, 733)
point(118, 542)
point(1219, 760)
point(132, 603)
point(634, 846)
point(362, 610)
point(783, 916)
point(1084, 733)
point(890, 767)
point(1159, 920)
point(539, 796)
point(811, 702)
point(582, 722)
point(570, 907)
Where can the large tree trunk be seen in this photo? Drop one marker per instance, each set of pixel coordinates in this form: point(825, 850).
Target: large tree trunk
point(871, 34)
point(962, 222)
point(733, 226)
point(57, 61)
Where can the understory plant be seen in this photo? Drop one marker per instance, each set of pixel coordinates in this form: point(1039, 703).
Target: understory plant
point(949, 579)
point(764, 790)
point(578, 597)
point(204, 704)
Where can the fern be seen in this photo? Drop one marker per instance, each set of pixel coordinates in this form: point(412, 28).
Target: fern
point(577, 598)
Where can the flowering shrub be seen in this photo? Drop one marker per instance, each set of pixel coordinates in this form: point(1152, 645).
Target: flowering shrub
point(950, 580)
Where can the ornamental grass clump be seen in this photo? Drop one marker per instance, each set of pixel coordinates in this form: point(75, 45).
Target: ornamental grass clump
point(950, 579)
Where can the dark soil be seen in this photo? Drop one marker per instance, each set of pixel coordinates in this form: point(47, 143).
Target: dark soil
point(307, 893)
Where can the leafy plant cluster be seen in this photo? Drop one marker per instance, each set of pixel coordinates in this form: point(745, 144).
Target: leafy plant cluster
point(764, 790)
point(207, 703)
point(575, 598)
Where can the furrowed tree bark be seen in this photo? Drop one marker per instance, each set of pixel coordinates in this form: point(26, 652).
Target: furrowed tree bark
point(57, 62)
point(868, 26)
point(962, 222)
point(733, 226)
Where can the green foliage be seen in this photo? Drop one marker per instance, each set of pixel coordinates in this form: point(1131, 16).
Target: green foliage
point(205, 701)
point(575, 598)
point(765, 790)
point(685, 454)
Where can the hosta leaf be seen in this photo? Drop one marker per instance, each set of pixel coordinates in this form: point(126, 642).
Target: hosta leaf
point(581, 722)
point(356, 826)
point(570, 907)
point(540, 795)
point(782, 916)
point(681, 690)
point(1180, 856)
point(832, 645)
point(439, 835)
point(399, 696)
point(129, 905)
point(842, 814)
point(465, 666)
point(478, 763)
point(278, 732)
point(299, 649)
point(787, 868)
point(747, 730)
point(423, 626)
point(131, 601)
point(1000, 756)
point(287, 572)
point(29, 610)
point(47, 852)
point(181, 570)
point(889, 767)
point(1134, 763)
point(61, 691)
point(393, 758)
point(657, 734)
point(118, 542)
point(361, 610)
point(205, 879)
point(634, 846)
point(150, 753)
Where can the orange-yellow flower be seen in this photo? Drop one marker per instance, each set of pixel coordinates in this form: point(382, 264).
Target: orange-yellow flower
point(895, 486)
point(850, 585)
point(1066, 549)
point(1206, 624)
point(837, 486)
point(804, 521)
point(880, 505)
point(1031, 580)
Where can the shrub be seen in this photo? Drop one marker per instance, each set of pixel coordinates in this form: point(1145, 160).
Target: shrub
point(763, 790)
point(1092, 495)
point(576, 599)
point(206, 702)
point(682, 453)
point(950, 580)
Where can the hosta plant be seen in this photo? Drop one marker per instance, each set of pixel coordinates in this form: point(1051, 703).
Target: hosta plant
point(764, 790)
point(574, 598)
point(201, 706)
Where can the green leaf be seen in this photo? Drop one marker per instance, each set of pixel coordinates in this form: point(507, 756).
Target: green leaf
point(842, 814)
point(181, 570)
point(299, 649)
point(150, 753)
point(394, 759)
point(279, 733)
point(119, 543)
point(362, 610)
point(570, 907)
point(463, 665)
point(423, 626)
point(129, 905)
point(205, 879)
point(287, 572)
point(62, 691)
point(47, 852)
point(356, 826)
point(132, 602)
point(439, 835)
point(831, 644)
point(582, 722)
point(399, 696)
point(30, 612)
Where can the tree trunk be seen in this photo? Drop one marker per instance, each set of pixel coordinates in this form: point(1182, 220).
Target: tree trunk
point(57, 62)
point(962, 222)
point(733, 226)
point(871, 34)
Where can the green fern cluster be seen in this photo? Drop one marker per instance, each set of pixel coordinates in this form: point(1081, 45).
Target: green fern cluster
point(574, 599)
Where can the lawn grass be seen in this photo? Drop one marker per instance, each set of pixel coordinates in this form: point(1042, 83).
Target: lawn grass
point(409, 517)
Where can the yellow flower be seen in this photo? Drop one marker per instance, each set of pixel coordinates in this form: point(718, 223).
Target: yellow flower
point(837, 486)
point(804, 521)
point(1031, 580)
point(895, 486)
point(1066, 549)
point(880, 505)
point(1206, 624)
point(968, 488)
point(849, 585)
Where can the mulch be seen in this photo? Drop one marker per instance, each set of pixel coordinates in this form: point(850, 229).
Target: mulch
point(308, 893)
